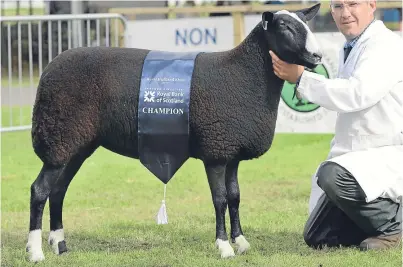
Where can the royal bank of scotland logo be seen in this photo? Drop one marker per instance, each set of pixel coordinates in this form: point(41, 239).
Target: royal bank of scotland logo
point(149, 96)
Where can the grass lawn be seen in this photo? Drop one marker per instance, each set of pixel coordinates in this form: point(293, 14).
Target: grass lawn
point(16, 115)
point(110, 207)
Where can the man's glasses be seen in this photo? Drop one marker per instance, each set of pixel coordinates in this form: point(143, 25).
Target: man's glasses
point(338, 8)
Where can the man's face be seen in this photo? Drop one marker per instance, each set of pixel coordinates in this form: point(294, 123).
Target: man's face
point(352, 17)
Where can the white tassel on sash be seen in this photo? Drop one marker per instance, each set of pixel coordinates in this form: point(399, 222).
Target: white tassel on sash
point(162, 217)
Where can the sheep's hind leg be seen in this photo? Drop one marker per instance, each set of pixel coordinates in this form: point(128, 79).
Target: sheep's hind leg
point(231, 181)
point(216, 179)
point(40, 190)
point(56, 198)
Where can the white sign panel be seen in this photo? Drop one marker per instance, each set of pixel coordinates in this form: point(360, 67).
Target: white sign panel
point(182, 35)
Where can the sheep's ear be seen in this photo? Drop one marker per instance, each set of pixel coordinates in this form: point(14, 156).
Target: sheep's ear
point(267, 19)
point(310, 12)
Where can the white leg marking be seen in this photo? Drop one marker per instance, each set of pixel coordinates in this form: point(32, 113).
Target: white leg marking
point(241, 244)
point(34, 246)
point(54, 238)
point(225, 248)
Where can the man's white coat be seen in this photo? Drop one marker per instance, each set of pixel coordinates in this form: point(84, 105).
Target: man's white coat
point(368, 97)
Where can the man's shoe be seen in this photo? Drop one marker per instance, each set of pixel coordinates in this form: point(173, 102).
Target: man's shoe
point(381, 242)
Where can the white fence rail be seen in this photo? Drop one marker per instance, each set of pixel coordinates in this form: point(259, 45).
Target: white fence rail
point(29, 43)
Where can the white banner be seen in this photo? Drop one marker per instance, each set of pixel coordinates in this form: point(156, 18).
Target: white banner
point(216, 34)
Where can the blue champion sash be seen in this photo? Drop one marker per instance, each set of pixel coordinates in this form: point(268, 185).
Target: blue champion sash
point(163, 112)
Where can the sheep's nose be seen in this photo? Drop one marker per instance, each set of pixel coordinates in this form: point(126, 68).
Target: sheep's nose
point(281, 22)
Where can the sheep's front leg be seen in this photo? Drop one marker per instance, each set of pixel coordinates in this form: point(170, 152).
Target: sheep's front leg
point(231, 181)
point(216, 179)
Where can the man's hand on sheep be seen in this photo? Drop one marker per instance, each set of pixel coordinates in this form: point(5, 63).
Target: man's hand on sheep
point(284, 70)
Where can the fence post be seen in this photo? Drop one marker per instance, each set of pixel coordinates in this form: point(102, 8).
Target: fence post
point(239, 28)
point(78, 29)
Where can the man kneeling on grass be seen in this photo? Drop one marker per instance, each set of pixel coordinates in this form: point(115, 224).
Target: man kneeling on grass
point(359, 198)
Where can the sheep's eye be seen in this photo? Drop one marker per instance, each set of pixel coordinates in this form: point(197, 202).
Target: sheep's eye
point(282, 23)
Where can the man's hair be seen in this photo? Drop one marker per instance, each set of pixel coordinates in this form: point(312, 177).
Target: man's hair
point(358, 1)
point(367, 1)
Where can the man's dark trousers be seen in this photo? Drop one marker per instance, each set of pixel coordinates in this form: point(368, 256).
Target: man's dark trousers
point(342, 217)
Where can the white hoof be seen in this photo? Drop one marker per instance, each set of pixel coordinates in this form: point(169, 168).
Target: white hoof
point(241, 244)
point(225, 248)
point(56, 240)
point(34, 246)
point(36, 255)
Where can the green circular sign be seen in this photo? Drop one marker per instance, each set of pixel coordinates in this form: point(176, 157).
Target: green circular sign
point(301, 105)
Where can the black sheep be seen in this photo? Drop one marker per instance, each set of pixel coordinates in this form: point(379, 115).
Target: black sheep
point(88, 97)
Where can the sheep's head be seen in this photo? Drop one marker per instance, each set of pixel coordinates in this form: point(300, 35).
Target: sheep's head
point(290, 37)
